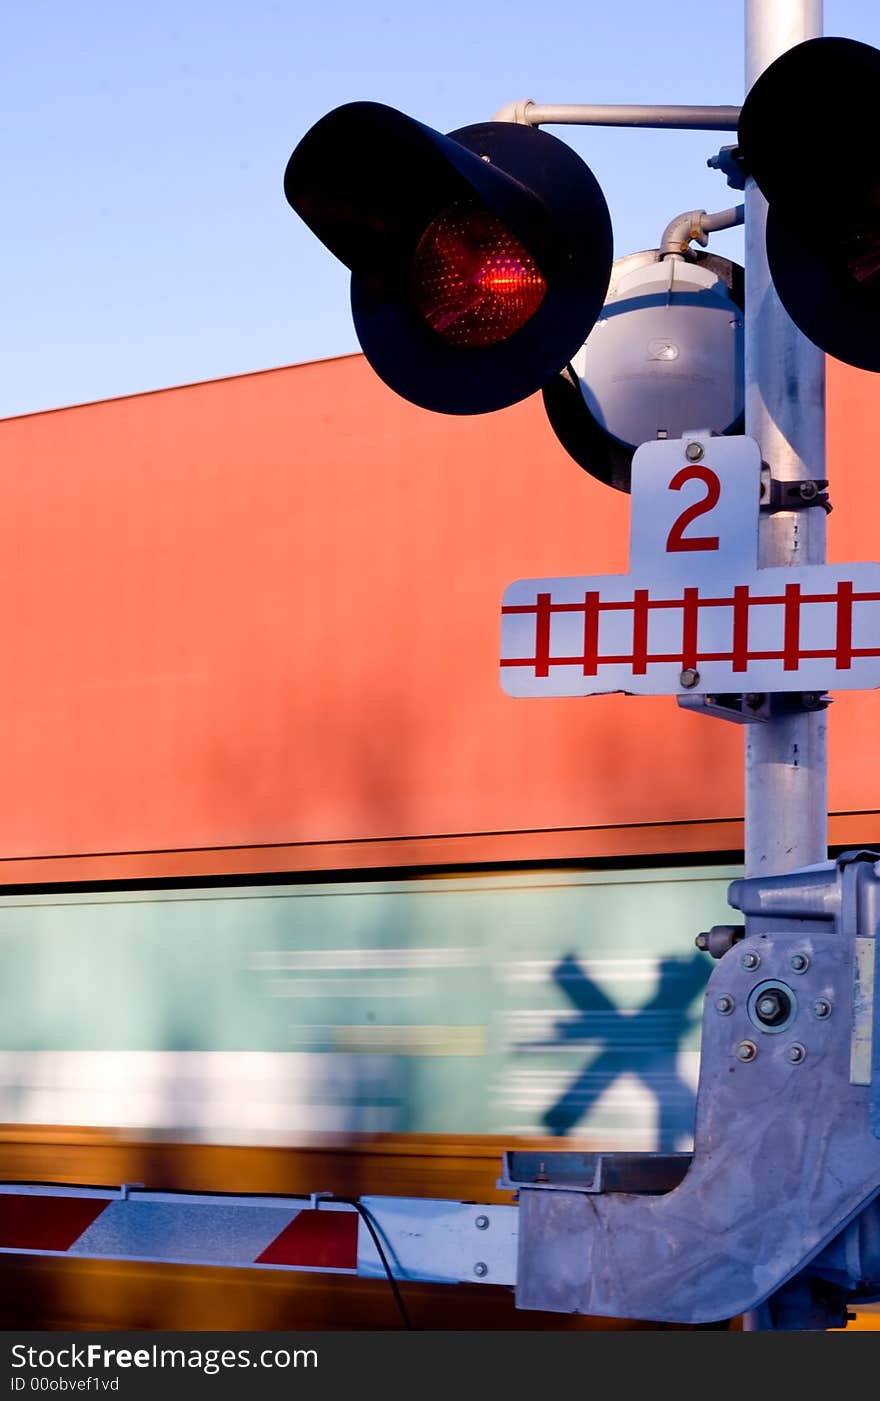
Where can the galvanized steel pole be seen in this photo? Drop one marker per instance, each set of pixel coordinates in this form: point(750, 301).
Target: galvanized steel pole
point(786, 784)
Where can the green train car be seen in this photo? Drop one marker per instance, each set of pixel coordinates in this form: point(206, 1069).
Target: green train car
point(556, 1001)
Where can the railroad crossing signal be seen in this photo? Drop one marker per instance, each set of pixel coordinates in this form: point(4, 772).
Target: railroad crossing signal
point(479, 260)
point(695, 615)
point(807, 134)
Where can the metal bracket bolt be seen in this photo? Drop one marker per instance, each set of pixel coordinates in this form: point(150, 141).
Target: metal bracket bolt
point(482, 1223)
point(720, 939)
point(796, 1053)
point(777, 495)
point(730, 162)
point(724, 1005)
point(800, 962)
point(746, 1051)
point(481, 1269)
point(689, 677)
point(821, 1008)
point(751, 960)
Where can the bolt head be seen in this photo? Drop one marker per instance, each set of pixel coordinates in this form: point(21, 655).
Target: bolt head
point(482, 1223)
point(750, 960)
point(821, 1008)
point(724, 1004)
point(799, 962)
point(693, 452)
point(746, 1050)
point(796, 1053)
point(689, 678)
point(481, 1269)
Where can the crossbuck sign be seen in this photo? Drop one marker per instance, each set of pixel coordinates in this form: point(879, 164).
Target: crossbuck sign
point(695, 614)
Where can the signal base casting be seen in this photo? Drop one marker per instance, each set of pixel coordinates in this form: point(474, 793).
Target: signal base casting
point(784, 1153)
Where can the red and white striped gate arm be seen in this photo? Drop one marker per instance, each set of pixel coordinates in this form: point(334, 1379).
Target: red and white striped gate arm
point(423, 1239)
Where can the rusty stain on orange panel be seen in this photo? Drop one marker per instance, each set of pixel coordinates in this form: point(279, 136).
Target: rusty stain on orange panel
point(265, 611)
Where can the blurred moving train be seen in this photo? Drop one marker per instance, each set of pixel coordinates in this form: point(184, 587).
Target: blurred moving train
point(378, 1020)
point(515, 1004)
point(294, 898)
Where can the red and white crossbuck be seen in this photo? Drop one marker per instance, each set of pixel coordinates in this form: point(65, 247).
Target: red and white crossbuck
point(695, 614)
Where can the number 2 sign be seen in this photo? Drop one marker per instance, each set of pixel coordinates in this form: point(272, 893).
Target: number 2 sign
point(692, 497)
point(694, 611)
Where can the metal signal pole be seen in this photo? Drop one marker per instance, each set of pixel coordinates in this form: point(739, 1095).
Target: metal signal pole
point(786, 782)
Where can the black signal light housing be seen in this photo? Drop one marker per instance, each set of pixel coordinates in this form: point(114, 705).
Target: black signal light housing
point(479, 259)
point(808, 136)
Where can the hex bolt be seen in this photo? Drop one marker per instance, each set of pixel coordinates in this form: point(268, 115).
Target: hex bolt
point(693, 452)
point(481, 1269)
point(767, 1007)
point(796, 1053)
point(482, 1223)
point(689, 677)
point(724, 1005)
point(799, 963)
point(751, 960)
point(821, 1008)
point(746, 1050)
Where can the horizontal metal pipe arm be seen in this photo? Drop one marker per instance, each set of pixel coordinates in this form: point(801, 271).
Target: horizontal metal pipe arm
point(696, 224)
point(530, 113)
point(724, 219)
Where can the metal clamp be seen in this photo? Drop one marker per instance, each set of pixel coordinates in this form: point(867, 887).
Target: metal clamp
point(779, 495)
point(755, 707)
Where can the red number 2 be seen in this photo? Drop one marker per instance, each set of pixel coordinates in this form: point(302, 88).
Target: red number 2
point(675, 540)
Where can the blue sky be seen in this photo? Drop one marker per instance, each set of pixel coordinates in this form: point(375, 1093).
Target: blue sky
point(145, 239)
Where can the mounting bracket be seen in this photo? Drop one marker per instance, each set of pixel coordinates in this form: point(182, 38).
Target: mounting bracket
point(755, 707)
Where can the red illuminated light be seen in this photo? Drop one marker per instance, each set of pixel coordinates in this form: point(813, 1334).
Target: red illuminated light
point(473, 281)
point(860, 246)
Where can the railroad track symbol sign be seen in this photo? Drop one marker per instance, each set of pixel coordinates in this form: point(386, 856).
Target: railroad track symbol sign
point(695, 615)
